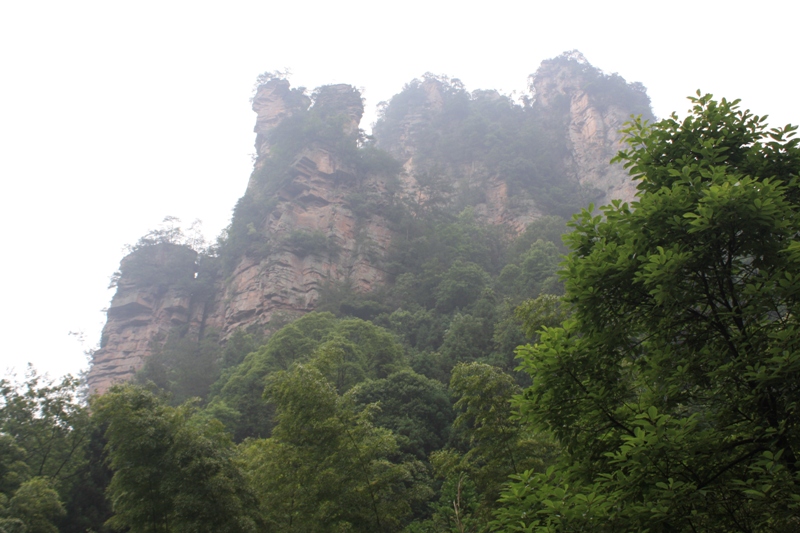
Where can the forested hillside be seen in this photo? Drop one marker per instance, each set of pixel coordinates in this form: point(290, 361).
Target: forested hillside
point(409, 331)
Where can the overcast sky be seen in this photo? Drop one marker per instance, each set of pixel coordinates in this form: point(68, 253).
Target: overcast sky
point(116, 114)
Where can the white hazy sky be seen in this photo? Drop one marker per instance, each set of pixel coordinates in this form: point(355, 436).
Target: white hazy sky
point(115, 114)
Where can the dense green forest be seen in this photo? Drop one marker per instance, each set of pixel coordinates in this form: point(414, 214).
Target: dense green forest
point(639, 374)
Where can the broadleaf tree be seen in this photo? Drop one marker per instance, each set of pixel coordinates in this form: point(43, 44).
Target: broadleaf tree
point(174, 471)
point(326, 467)
point(673, 385)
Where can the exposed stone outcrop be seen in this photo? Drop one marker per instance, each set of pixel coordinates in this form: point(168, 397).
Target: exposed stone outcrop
point(340, 100)
point(288, 280)
point(313, 206)
point(402, 142)
point(593, 127)
point(274, 102)
point(154, 294)
point(595, 139)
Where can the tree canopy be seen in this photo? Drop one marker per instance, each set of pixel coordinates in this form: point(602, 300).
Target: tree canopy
point(673, 386)
point(173, 470)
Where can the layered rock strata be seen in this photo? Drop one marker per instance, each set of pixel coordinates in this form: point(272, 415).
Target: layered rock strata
point(154, 294)
point(593, 131)
point(313, 205)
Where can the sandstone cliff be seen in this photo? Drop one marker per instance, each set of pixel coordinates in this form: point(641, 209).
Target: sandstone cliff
point(154, 294)
point(595, 116)
point(318, 209)
point(304, 234)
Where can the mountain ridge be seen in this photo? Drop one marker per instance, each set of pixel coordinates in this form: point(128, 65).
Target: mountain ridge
point(325, 202)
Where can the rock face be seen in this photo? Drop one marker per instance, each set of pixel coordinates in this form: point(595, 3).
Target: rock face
point(154, 294)
point(315, 236)
point(594, 137)
point(593, 126)
point(274, 102)
point(312, 234)
point(313, 214)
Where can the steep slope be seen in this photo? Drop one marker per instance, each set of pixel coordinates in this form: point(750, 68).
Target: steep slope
point(156, 291)
point(324, 201)
point(599, 105)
